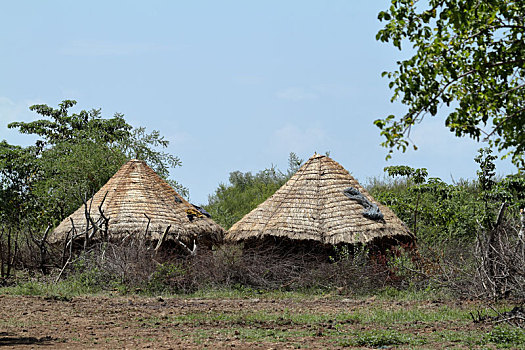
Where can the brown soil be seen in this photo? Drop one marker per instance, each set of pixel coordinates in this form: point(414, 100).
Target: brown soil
point(96, 322)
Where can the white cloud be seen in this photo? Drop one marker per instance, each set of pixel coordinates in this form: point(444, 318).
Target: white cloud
point(434, 137)
point(7, 109)
point(181, 138)
point(315, 92)
point(248, 79)
point(11, 111)
point(105, 48)
point(443, 154)
point(297, 94)
point(291, 138)
point(335, 90)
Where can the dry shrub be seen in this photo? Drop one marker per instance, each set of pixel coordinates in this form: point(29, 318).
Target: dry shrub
point(491, 267)
point(226, 267)
point(134, 266)
point(501, 263)
point(108, 266)
point(269, 268)
point(22, 250)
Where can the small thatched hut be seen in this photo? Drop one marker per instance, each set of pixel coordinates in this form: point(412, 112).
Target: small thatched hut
point(324, 205)
point(136, 201)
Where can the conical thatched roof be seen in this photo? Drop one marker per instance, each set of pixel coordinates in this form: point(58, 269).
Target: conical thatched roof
point(134, 194)
point(312, 206)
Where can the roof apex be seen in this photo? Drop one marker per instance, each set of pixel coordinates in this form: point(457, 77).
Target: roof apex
point(136, 200)
point(311, 205)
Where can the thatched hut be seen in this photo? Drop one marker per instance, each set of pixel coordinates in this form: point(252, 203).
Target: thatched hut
point(136, 202)
point(323, 205)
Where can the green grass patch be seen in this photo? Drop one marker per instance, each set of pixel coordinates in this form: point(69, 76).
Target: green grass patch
point(256, 318)
point(368, 315)
point(371, 326)
point(245, 293)
point(466, 337)
point(412, 293)
point(61, 290)
point(504, 336)
point(377, 339)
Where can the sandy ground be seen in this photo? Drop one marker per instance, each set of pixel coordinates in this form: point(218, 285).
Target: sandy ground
point(105, 322)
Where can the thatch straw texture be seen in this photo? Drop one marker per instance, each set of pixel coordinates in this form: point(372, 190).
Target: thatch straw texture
point(134, 194)
point(312, 206)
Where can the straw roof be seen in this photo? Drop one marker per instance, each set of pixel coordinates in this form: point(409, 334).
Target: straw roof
point(312, 206)
point(134, 196)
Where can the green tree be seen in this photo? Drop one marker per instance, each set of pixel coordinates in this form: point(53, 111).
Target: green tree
point(418, 177)
point(469, 56)
point(76, 153)
point(17, 174)
point(245, 191)
point(436, 211)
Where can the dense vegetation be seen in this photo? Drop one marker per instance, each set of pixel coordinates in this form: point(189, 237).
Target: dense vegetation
point(232, 201)
point(441, 213)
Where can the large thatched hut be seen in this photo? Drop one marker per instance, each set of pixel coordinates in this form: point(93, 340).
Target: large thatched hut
point(136, 202)
point(323, 205)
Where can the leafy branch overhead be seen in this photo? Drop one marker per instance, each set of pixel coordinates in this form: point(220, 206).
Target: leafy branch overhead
point(469, 61)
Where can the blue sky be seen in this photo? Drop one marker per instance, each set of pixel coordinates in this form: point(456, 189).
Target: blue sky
point(233, 85)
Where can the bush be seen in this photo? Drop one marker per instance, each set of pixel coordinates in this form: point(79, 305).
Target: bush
point(506, 336)
point(132, 267)
point(169, 278)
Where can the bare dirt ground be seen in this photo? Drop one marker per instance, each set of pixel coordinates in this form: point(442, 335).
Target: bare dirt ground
point(96, 322)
